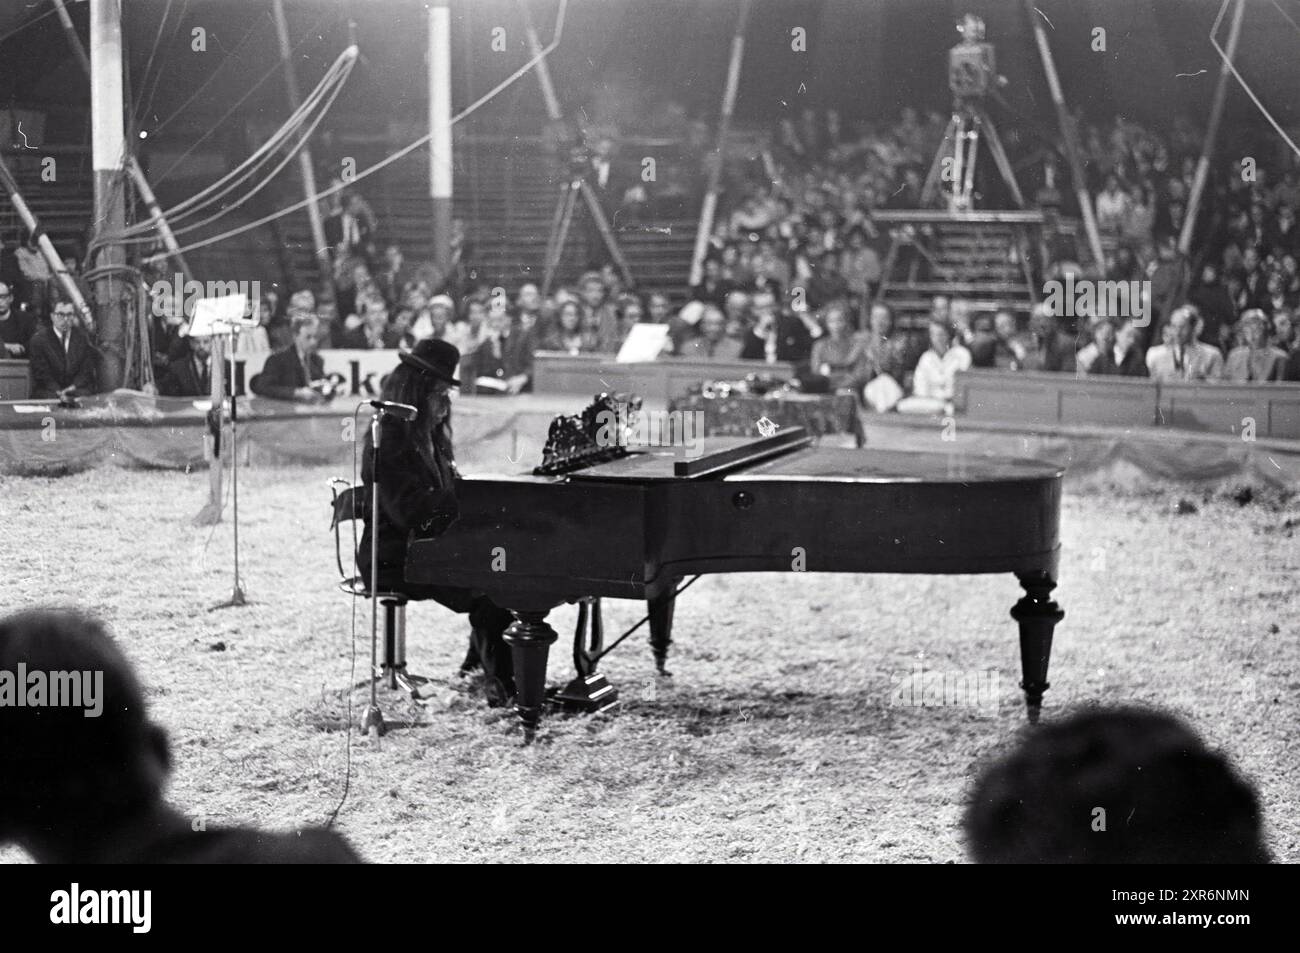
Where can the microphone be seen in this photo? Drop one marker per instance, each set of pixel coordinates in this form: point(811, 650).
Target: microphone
point(400, 411)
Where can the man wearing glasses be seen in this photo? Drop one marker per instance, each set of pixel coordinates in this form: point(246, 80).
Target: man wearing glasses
point(62, 359)
point(15, 326)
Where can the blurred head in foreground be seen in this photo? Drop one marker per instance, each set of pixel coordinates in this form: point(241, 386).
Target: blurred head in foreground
point(1111, 786)
point(64, 770)
point(83, 769)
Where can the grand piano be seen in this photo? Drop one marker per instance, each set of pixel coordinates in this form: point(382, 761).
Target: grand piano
point(634, 527)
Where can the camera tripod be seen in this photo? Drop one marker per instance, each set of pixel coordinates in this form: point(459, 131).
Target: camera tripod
point(561, 222)
point(969, 119)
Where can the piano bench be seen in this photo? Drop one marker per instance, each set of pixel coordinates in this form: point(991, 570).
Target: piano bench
point(394, 603)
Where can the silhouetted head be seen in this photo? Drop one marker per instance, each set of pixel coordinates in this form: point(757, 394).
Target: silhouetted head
point(72, 768)
point(1108, 786)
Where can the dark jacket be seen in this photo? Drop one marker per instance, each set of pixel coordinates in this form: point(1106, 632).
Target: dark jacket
point(516, 357)
point(793, 342)
point(413, 498)
point(51, 370)
point(18, 328)
point(182, 378)
point(283, 373)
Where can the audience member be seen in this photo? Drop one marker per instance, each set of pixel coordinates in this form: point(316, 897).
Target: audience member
point(503, 362)
point(61, 358)
point(567, 334)
point(1118, 786)
point(1184, 358)
point(713, 343)
point(81, 790)
point(776, 335)
point(297, 372)
point(1254, 359)
point(1049, 349)
point(16, 328)
point(935, 379)
point(839, 355)
point(188, 370)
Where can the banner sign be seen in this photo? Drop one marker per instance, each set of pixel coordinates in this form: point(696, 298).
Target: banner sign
point(354, 372)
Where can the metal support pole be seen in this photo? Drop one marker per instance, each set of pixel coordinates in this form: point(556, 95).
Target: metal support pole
point(323, 260)
point(440, 154)
point(553, 111)
point(132, 166)
point(1212, 132)
point(108, 150)
point(710, 206)
point(1067, 132)
point(43, 243)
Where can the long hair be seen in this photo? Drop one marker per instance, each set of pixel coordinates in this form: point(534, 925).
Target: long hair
point(407, 385)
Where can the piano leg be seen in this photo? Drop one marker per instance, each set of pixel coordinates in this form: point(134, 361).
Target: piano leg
point(529, 638)
point(1037, 614)
point(661, 626)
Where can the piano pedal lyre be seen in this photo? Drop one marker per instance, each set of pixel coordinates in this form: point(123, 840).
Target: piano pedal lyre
point(590, 691)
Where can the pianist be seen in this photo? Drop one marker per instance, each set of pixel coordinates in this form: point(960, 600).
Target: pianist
point(417, 498)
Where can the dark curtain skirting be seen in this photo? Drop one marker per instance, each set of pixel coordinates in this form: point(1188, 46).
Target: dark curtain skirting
point(130, 429)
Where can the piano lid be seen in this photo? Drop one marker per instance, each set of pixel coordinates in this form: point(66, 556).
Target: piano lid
point(715, 456)
point(864, 465)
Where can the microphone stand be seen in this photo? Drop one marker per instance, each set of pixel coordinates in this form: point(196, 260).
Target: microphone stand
point(237, 597)
point(373, 717)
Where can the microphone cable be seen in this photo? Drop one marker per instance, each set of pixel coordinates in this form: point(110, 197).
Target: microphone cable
point(347, 770)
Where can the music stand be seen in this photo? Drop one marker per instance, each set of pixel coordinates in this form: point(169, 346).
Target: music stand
point(213, 316)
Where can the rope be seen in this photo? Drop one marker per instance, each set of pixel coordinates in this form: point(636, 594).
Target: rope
point(400, 154)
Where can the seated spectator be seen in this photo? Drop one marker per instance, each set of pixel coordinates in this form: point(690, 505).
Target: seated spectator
point(503, 362)
point(658, 308)
point(935, 380)
point(826, 284)
point(1129, 357)
point(528, 306)
point(567, 335)
point(441, 321)
point(713, 343)
point(89, 790)
point(1213, 302)
point(1184, 358)
point(776, 335)
point(1166, 797)
point(1098, 357)
point(616, 322)
point(735, 308)
point(255, 339)
point(393, 276)
point(1003, 347)
point(713, 287)
point(839, 355)
point(598, 314)
point(1049, 349)
point(374, 331)
point(685, 325)
point(62, 361)
point(188, 370)
point(861, 267)
point(1254, 359)
point(889, 359)
point(16, 328)
point(296, 373)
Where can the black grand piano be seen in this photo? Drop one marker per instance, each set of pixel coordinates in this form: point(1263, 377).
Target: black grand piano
point(635, 526)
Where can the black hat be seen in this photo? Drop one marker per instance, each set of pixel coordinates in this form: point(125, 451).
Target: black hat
point(435, 358)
